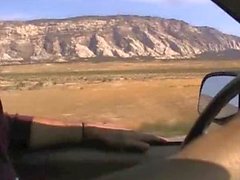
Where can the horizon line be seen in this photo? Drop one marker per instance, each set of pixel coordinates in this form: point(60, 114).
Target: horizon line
point(34, 19)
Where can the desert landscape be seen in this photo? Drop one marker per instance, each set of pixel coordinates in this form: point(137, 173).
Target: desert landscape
point(138, 72)
point(158, 97)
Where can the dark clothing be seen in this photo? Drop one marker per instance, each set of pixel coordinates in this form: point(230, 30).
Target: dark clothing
point(15, 134)
point(4, 131)
point(6, 170)
point(20, 127)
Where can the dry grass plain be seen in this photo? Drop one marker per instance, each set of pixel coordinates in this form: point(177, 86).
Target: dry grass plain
point(158, 97)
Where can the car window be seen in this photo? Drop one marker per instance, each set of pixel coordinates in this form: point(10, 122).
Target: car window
point(129, 63)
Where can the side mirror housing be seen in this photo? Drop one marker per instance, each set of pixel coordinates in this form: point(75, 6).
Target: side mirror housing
point(211, 85)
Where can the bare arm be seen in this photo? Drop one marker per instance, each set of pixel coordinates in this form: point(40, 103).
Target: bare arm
point(41, 133)
point(45, 133)
point(32, 132)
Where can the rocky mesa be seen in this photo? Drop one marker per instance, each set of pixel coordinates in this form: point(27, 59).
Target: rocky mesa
point(111, 36)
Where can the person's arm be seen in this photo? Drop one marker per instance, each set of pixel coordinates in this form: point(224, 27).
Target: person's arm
point(32, 132)
point(46, 132)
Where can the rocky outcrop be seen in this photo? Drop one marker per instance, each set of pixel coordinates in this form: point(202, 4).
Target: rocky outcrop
point(113, 36)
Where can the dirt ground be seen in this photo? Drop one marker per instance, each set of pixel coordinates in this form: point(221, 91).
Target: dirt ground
point(160, 98)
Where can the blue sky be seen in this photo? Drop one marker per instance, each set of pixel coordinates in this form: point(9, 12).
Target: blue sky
point(196, 12)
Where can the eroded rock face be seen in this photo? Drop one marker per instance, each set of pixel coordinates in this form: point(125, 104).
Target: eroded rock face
point(113, 36)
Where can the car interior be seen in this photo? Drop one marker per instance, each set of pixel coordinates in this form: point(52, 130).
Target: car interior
point(218, 104)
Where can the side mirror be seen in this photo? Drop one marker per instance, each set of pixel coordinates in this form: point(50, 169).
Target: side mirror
point(212, 84)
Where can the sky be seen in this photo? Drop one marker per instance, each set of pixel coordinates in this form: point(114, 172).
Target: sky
point(195, 12)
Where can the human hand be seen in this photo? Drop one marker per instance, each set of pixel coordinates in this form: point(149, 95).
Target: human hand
point(120, 139)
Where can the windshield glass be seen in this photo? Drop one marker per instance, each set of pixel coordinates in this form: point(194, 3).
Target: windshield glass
point(129, 63)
